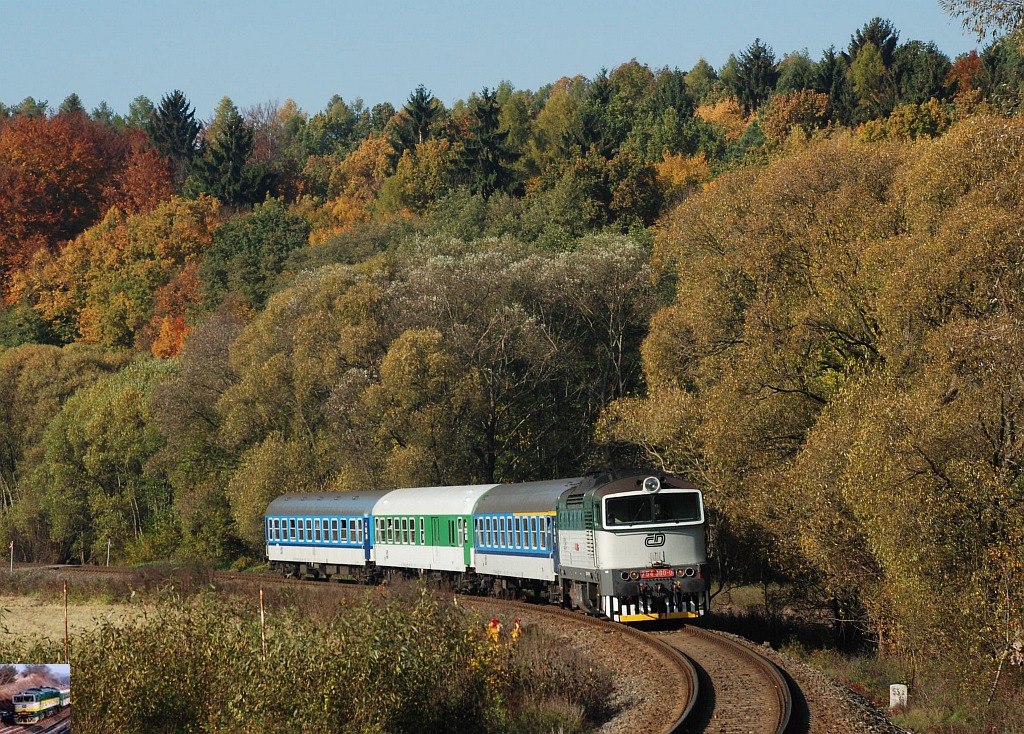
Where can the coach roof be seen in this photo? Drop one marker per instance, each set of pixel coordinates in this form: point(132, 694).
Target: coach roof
point(355, 503)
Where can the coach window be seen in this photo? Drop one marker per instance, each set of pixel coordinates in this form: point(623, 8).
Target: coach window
point(343, 527)
point(316, 529)
point(508, 533)
point(533, 532)
point(334, 530)
point(291, 529)
point(302, 531)
point(357, 531)
point(501, 532)
point(309, 529)
point(463, 535)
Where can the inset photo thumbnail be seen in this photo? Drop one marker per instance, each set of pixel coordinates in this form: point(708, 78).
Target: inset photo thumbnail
point(35, 694)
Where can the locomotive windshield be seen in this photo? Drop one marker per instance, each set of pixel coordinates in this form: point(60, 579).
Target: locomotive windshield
point(648, 509)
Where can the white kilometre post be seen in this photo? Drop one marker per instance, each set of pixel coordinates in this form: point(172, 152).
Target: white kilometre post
point(897, 696)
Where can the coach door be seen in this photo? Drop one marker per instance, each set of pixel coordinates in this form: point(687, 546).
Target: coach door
point(467, 547)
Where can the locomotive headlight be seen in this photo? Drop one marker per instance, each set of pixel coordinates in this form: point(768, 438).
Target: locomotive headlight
point(652, 484)
point(634, 575)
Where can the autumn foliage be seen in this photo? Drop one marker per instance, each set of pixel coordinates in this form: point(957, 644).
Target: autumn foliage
point(809, 302)
point(60, 174)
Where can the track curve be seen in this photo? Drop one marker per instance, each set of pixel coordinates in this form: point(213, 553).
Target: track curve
point(744, 691)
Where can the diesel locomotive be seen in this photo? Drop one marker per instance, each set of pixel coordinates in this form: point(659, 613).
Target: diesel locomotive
point(628, 545)
point(34, 704)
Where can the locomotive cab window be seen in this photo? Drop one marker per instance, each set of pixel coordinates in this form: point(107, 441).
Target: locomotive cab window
point(676, 507)
point(649, 509)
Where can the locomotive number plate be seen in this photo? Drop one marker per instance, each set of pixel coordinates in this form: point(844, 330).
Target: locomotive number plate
point(657, 573)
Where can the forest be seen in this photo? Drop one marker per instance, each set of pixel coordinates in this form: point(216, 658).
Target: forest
point(796, 281)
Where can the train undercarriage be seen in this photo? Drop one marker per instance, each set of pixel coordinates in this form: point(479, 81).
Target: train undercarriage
point(656, 601)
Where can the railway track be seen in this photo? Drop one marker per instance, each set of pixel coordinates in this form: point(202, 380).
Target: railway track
point(707, 682)
point(742, 691)
point(59, 724)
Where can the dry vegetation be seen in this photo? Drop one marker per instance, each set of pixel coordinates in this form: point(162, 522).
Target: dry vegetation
point(395, 659)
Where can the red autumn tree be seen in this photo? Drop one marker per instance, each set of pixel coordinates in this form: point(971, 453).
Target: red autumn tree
point(59, 176)
point(144, 180)
point(966, 74)
point(53, 172)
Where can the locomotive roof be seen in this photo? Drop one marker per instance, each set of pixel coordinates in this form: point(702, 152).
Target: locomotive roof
point(39, 690)
point(358, 502)
point(619, 482)
point(431, 500)
point(525, 497)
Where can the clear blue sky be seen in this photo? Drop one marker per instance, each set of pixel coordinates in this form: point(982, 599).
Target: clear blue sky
point(257, 51)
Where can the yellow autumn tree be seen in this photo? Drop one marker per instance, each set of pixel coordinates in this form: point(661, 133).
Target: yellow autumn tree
point(679, 175)
point(727, 115)
point(420, 179)
point(357, 181)
point(104, 287)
